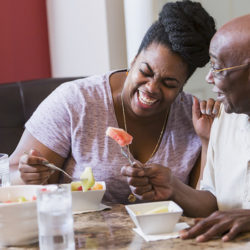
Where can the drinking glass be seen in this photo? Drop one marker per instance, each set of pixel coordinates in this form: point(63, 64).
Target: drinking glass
point(55, 220)
point(4, 170)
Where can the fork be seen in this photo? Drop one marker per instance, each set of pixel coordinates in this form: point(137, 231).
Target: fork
point(54, 167)
point(139, 164)
point(126, 155)
point(131, 197)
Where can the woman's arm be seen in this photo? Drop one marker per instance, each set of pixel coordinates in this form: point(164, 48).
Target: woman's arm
point(157, 183)
point(194, 176)
point(26, 162)
point(197, 171)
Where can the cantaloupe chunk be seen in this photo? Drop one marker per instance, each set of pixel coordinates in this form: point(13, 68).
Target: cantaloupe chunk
point(97, 186)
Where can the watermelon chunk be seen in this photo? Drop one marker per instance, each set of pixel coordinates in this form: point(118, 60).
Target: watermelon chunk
point(119, 135)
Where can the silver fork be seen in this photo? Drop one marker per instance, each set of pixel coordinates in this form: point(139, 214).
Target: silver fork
point(54, 167)
point(139, 164)
point(126, 155)
point(131, 197)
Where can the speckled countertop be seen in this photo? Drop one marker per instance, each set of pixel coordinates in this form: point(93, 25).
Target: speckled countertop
point(112, 229)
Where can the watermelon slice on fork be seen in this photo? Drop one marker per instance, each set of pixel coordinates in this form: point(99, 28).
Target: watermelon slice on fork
point(123, 138)
point(120, 136)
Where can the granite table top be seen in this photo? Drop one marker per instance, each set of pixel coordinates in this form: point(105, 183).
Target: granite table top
point(113, 229)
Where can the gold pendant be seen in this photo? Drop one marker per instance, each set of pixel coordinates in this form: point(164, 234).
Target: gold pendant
point(131, 198)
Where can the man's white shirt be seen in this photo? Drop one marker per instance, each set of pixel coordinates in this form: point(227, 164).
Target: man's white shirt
point(227, 171)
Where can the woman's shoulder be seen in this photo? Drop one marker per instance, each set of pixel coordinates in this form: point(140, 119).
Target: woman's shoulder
point(84, 88)
point(85, 83)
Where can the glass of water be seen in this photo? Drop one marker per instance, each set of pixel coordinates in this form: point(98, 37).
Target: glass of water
point(55, 220)
point(4, 170)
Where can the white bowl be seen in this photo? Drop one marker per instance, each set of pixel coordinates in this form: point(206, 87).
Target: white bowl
point(87, 201)
point(18, 221)
point(155, 223)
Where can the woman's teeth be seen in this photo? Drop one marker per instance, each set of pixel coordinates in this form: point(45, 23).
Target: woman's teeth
point(146, 99)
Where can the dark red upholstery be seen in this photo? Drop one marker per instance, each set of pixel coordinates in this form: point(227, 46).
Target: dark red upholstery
point(18, 101)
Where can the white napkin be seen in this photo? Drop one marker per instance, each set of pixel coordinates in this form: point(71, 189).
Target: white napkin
point(154, 237)
point(100, 208)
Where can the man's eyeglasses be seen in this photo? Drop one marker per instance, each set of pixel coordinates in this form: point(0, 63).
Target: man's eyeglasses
point(220, 73)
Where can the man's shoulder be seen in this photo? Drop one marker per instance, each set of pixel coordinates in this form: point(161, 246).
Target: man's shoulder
point(227, 123)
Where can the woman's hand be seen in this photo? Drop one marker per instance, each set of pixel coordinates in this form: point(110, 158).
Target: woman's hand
point(203, 116)
point(149, 183)
point(225, 224)
point(31, 168)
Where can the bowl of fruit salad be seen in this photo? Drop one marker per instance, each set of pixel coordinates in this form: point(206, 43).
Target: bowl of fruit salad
point(155, 217)
point(18, 215)
point(87, 193)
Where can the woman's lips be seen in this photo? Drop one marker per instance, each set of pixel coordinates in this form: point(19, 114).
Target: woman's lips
point(146, 99)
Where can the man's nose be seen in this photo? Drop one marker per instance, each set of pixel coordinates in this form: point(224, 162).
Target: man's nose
point(210, 77)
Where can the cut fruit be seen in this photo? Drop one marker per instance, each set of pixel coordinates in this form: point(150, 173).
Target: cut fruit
point(75, 185)
point(119, 135)
point(87, 179)
point(163, 209)
point(22, 199)
point(97, 186)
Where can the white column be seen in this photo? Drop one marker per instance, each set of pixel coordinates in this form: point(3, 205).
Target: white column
point(139, 15)
point(81, 36)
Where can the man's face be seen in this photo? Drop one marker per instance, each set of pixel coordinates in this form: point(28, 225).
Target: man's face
point(231, 86)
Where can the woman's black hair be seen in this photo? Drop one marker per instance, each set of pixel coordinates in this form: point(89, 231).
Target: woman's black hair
point(185, 28)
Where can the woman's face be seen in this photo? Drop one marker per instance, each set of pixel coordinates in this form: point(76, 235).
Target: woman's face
point(155, 79)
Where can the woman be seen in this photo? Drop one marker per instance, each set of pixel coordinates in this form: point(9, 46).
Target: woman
point(68, 128)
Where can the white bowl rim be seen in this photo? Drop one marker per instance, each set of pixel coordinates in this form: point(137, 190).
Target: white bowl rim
point(180, 210)
point(157, 214)
point(16, 203)
point(101, 182)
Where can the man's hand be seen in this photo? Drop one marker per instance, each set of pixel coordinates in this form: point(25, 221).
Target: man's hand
point(203, 116)
point(149, 183)
point(225, 224)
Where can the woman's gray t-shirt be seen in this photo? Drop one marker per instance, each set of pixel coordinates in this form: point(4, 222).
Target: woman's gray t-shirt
point(72, 122)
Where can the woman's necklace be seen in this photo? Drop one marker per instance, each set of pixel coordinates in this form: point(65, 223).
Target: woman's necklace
point(161, 134)
point(131, 197)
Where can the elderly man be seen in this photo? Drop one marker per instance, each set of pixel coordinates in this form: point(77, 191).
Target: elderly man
point(225, 189)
